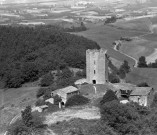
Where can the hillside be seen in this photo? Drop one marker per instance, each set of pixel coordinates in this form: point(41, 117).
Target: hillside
point(28, 53)
point(139, 75)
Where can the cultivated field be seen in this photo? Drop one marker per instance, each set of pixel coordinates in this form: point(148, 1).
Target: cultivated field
point(105, 35)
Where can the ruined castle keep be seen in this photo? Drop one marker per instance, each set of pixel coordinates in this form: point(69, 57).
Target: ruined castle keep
point(96, 66)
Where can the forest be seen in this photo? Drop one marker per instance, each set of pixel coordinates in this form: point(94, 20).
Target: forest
point(27, 53)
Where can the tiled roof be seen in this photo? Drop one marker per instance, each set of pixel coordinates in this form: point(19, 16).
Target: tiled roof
point(124, 86)
point(66, 90)
point(139, 91)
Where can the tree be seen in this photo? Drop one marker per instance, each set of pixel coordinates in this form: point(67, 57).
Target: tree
point(125, 66)
point(47, 80)
point(27, 116)
point(120, 117)
point(142, 62)
point(121, 73)
point(113, 78)
point(108, 97)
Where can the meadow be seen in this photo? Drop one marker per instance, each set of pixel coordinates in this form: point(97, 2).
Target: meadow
point(105, 35)
point(139, 75)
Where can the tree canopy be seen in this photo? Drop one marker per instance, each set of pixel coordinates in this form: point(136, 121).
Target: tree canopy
point(28, 53)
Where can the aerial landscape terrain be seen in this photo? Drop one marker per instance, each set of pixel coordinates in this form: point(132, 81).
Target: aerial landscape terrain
point(78, 67)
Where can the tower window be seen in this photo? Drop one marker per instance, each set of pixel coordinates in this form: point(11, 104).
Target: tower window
point(94, 62)
point(94, 72)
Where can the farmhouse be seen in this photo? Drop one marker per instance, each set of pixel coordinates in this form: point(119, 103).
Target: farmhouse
point(142, 95)
point(66, 93)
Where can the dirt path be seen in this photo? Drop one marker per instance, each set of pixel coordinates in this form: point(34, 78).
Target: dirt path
point(85, 113)
point(115, 48)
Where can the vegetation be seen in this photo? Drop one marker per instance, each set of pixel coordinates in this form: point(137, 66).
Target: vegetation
point(111, 20)
point(119, 116)
point(108, 97)
point(113, 78)
point(29, 124)
point(32, 52)
point(116, 74)
point(124, 69)
point(47, 80)
point(76, 100)
point(82, 27)
point(154, 103)
point(143, 84)
point(142, 62)
point(82, 127)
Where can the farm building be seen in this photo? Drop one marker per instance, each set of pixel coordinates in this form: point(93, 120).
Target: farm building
point(142, 95)
point(66, 93)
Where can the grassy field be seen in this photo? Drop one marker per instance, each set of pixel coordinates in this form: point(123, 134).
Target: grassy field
point(105, 35)
point(14, 101)
point(137, 24)
point(138, 47)
point(148, 75)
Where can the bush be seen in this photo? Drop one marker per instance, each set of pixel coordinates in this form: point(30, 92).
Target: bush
point(108, 97)
point(143, 84)
point(113, 78)
point(77, 100)
point(40, 102)
point(41, 92)
point(21, 128)
point(154, 103)
point(47, 80)
point(120, 117)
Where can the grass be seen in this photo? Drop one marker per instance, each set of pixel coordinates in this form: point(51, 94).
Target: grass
point(105, 35)
point(139, 75)
point(138, 48)
point(62, 127)
point(137, 24)
point(14, 101)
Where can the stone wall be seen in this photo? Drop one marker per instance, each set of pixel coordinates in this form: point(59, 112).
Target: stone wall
point(96, 66)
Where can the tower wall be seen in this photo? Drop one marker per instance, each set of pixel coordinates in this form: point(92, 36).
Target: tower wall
point(96, 66)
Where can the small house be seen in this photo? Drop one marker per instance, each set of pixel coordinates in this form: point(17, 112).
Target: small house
point(66, 93)
point(142, 95)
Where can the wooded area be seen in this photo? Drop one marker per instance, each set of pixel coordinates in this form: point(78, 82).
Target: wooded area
point(28, 53)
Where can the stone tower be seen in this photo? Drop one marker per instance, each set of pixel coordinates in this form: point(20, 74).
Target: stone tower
point(96, 66)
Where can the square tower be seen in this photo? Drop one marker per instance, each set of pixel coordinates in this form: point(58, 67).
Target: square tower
point(96, 66)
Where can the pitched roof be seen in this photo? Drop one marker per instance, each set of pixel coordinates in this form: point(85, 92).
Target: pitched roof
point(141, 91)
point(124, 86)
point(66, 90)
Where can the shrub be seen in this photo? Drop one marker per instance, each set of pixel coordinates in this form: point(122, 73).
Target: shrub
point(27, 116)
point(120, 117)
point(99, 129)
point(113, 78)
point(20, 128)
point(108, 97)
point(143, 84)
point(47, 80)
point(154, 102)
point(40, 102)
point(77, 100)
point(57, 99)
point(41, 92)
